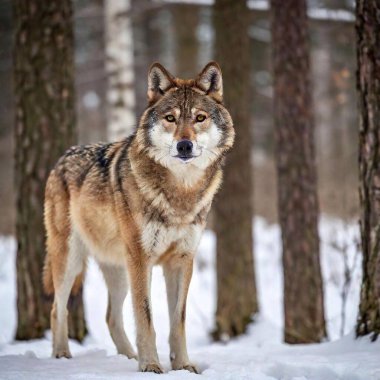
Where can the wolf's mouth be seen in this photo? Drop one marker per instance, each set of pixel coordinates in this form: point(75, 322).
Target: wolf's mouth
point(185, 159)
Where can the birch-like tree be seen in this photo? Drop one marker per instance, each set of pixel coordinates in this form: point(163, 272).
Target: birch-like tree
point(121, 119)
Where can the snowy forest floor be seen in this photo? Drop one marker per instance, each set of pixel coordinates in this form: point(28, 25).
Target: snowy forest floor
point(259, 355)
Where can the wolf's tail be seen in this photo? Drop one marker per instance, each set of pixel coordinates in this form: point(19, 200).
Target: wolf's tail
point(48, 283)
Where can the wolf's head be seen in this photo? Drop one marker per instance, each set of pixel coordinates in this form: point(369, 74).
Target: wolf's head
point(185, 125)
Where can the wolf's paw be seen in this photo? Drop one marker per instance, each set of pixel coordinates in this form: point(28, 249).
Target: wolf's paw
point(155, 368)
point(188, 367)
point(191, 368)
point(62, 354)
point(132, 355)
point(129, 354)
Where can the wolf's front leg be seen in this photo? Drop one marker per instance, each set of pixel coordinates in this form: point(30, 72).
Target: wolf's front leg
point(140, 271)
point(178, 271)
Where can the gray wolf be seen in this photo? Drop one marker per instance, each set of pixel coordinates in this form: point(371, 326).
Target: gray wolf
point(139, 202)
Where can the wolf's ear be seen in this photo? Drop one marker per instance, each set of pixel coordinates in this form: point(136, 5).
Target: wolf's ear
point(159, 81)
point(210, 81)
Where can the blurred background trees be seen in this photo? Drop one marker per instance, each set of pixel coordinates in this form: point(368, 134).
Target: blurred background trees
point(184, 37)
point(333, 66)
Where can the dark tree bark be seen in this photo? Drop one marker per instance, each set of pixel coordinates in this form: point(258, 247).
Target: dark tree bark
point(44, 128)
point(237, 300)
point(296, 168)
point(368, 87)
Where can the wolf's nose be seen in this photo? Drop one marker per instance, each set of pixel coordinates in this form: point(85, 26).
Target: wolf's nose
point(184, 147)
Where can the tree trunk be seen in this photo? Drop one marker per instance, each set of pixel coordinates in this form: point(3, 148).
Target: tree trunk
point(237, 300)
point(296, 168)
point(186, 19)
point(44, 128)
point(120, 69)
point(368, 86)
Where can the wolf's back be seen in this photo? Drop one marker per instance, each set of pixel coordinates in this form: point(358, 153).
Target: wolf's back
point(85, 165)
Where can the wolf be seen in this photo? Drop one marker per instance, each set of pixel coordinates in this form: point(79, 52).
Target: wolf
point(136, 203)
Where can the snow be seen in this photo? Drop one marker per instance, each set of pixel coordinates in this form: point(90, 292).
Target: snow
point(331, 14)
point(259, 355)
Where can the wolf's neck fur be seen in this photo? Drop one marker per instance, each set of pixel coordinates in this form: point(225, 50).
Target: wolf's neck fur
point(183, 189)
point(187, 175)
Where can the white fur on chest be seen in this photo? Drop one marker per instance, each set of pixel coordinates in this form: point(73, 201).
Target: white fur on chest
point(157, 238)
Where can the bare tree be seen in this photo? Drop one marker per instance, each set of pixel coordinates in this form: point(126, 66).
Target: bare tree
point(368, 87)
point(349, 267)
point(44, 128)
point(296, 169)
point(237, 300)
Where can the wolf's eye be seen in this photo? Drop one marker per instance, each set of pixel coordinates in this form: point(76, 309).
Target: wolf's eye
point(170, 118)
point(200, 118)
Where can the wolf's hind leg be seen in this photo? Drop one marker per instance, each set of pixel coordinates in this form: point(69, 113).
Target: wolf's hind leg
point(64, 274)
point(117, 284)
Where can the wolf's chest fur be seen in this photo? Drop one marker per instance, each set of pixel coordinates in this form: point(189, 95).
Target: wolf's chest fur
point(157, 239)
point(172, 207)
point(173, 216)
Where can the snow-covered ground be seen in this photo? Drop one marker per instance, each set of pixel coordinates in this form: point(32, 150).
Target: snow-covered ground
point(260, 355)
